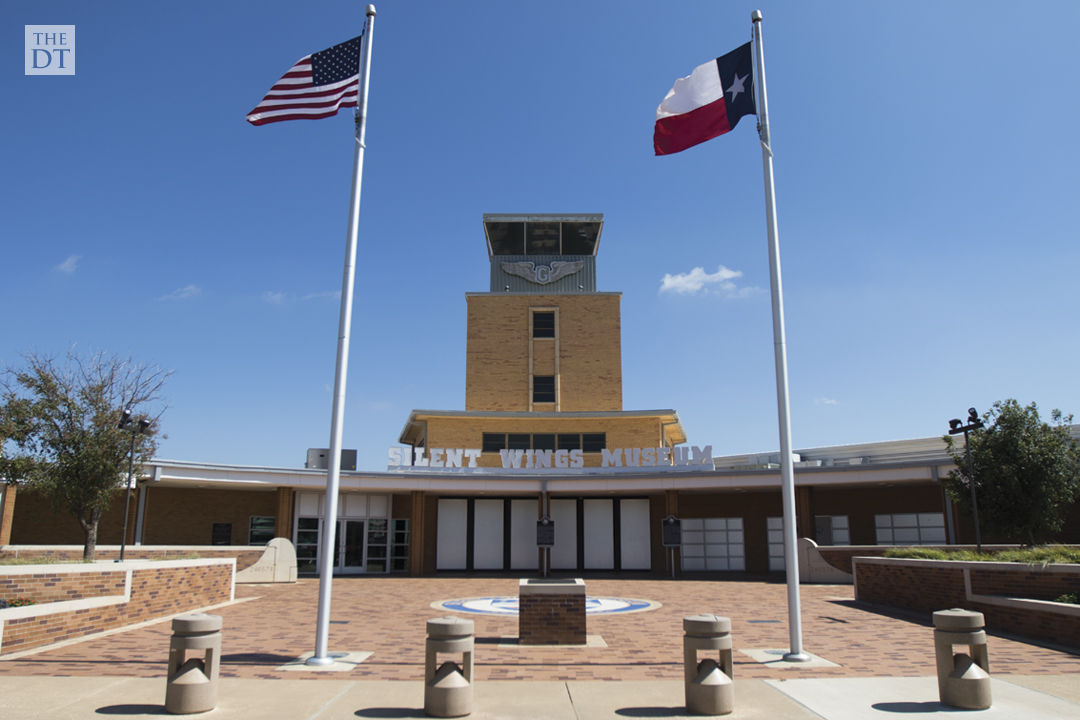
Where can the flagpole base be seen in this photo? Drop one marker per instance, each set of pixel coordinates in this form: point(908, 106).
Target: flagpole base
point(796, 657)
point(323, 661)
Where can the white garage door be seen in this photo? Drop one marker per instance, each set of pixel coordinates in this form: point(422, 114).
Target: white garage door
point(488, 535)
point(452, 524)
point(634, 535)
point(599, 534)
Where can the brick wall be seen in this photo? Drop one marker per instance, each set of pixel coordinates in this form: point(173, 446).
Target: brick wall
point(156, 590)
point(551, 619)
point(1010, 595)
point(497, 351)
point(245, 556)
point(185, 516)
point(47, 587)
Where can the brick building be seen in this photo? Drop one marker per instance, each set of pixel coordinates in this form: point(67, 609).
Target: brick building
point(543, 434)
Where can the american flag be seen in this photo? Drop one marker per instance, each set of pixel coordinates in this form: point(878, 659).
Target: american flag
point(315, 87)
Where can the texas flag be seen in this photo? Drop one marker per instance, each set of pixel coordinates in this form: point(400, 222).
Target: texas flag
point(708, 103)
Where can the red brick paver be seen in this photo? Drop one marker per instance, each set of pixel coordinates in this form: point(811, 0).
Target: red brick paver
point(386, 617)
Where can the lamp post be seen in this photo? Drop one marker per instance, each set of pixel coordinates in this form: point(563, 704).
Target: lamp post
point(136, 428)
point(955, 428)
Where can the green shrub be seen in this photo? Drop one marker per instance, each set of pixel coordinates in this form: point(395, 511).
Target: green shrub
point(1044, 555)
point(1068, 598)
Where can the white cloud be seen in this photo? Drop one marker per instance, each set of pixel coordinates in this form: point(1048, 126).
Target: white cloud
point(826, 401)
point(185, 293)
point(275, 298)
point(336, 294)
point(698, 281)
point(69, 266)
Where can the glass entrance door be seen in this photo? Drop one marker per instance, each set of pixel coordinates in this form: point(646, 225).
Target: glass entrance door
point(349, 545)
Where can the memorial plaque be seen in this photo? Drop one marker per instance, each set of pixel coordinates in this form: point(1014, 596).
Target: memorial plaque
point(545, 532)
point(671, 528)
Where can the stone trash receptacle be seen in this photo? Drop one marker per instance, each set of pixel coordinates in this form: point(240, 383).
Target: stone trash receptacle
point(448, 688)
point(709, 687)
point(192, 683)
point(963, 678)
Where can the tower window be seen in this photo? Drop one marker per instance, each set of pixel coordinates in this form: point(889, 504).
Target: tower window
point(543, 388)
point(569, 442)
point(543, 325)
point(494, 442)
point(543, 441)
point(519, 441)
point(593, 442)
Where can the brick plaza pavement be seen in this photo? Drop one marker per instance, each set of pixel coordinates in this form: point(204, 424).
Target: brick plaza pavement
point(273, 624)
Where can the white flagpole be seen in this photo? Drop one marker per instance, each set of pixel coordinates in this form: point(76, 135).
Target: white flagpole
point(341, 370)
point(787, 468)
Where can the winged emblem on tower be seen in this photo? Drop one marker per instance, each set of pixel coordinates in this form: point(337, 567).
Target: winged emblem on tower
point(543, 274)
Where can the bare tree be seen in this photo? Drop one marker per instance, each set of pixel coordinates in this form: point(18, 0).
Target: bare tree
point(60, 422)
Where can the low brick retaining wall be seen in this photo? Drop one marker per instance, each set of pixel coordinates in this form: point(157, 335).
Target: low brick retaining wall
point(839, 556)
point(246, 555)
point(1014, 597)
point(72, 601)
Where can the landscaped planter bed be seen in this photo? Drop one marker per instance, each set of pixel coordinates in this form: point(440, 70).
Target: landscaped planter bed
point(1014, 597)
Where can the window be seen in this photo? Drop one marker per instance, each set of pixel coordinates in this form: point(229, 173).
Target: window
point(589, 442)
point(307, 544)
point(542, 238)
point(569, 442)
point(775, 528)
point(494, 442)
point(221, 534)
point(399, 550)
point(261, 530)
point(543, 388)
point(543, 324)
point(713, 544)
point(831, 530)
point(543, 442)
point(910, 529)
point(593, 442)
point(376, 546)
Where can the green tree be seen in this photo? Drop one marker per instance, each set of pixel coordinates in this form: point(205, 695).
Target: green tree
point(1027, 472)
point(59, 429)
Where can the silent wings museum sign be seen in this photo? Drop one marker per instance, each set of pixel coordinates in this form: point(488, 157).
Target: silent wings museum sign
point(650, 457)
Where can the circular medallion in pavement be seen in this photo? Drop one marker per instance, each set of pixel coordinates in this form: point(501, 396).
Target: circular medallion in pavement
point(508, 605)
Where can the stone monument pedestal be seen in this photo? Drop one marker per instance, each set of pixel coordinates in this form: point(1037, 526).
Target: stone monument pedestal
point(551, 611)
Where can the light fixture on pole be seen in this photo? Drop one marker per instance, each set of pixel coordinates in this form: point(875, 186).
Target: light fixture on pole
point(956, 427)
point(136, 428)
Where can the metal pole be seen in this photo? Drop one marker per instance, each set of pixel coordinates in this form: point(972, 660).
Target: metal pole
point(333, 474)
point(127, 500)
point(971, 485)
point(787, 470)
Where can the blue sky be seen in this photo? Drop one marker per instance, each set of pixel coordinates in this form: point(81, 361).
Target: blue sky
point(927, 168)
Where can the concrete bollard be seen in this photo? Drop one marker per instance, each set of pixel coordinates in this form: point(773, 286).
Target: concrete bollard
point(192, 683)
point(964, 678)
point(448, 689)
point(709, 687)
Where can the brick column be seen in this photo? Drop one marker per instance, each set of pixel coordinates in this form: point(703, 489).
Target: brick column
point(7, 511)
point(284, 521)
point(804, 512)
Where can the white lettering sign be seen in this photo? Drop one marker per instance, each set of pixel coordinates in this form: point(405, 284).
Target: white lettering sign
point(651, 457)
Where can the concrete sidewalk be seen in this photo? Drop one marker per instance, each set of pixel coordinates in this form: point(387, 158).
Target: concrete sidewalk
point(1015, 696)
